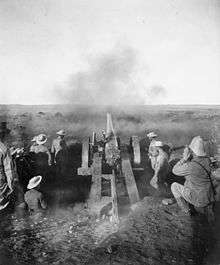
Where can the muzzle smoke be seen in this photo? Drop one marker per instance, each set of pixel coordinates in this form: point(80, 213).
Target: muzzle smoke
point(111, 79)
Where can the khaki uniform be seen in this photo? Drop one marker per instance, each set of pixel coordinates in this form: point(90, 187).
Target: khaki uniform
point(152, 153)
point(161, 169)
point(8, 175)
point(58, 145)
point(59, 150)
point(42, 159)
point(197, 188)
point(35, 201)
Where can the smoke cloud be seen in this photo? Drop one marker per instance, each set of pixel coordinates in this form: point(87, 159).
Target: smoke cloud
point(114, 78)
point(109, 80)
point(155, 93)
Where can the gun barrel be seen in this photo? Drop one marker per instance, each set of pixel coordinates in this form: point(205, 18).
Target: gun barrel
point(111, 147)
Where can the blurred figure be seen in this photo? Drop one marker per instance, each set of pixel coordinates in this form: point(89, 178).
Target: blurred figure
point(42, 155)
point(33, 197)
point(152, 151)
point(9, 185)
point(161, 167)
point(198, 189)
point(59, 152)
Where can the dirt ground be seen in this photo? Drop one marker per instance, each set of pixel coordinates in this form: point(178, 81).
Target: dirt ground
point(155, 235)
point(68, 234)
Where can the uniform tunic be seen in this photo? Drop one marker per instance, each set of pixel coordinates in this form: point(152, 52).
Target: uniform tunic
point(197, 188)
point(152, 153)
point(42, 159)
point(8, 174)
point(59, 149)
point(35, 200)
point(161, 169)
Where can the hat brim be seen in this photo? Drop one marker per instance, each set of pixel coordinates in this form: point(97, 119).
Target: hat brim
point(34, 184)
point(151, 135)
point(41, 142)
point(60, 133)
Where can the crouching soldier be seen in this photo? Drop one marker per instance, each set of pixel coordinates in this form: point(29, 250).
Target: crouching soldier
point(195, 167)
point(33, 197)
point(161, 167)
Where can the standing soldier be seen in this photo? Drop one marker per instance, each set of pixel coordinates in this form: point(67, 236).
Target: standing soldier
point(42, 155)
point(8, 174)
point(59, 152)
point(161, 167)
point(152, 151)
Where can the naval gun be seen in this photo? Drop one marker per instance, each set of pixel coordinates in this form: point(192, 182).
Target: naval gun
point(110, 160)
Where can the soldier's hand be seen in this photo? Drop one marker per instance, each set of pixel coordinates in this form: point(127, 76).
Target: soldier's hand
point(186, 154)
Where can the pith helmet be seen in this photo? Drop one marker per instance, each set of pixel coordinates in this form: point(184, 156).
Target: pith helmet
point(158, 144)
point(34, 139)
point(61, 132)
point(151, 135)
point(34, 182)
point(197, 146)
point(41, 139)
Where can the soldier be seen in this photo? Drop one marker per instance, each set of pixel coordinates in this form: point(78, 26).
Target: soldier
point(198, 188)
point(59, 152)
point(161, 167)
point(8, 175)
point(33, 197)
point(42, 155)
point(152, 152)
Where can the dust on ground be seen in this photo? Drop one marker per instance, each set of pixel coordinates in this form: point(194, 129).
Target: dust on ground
point(156, 235)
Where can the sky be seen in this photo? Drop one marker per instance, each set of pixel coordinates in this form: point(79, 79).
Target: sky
point(110, 52)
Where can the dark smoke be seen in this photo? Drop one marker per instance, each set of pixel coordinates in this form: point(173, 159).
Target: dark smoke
point(156, 91)
point(108, 80)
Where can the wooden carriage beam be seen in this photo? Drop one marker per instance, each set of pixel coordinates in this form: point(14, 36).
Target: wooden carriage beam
point(129, 176)
point(84, 170)
point(136, 149)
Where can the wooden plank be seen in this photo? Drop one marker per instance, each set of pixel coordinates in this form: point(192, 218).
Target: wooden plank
point(136, 150)
point(85, 154)
point(95, 192)
point(93, 138)
point(218, 152)
point(130, 180)
point(115, 217)
point(82, 171)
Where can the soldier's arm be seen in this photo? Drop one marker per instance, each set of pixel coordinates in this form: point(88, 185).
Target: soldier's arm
point(2, 172)
point(159, 166)
point(10, 170)
point(53, 148)
point(49, 158)
point(181, 168)
point(43, 203)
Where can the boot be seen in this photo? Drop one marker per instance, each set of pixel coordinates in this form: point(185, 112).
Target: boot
point(183, 205)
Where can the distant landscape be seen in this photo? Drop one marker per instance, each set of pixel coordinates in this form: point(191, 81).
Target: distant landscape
point(175, 124)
